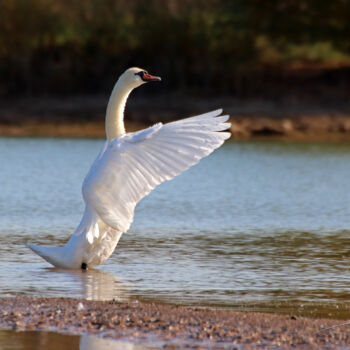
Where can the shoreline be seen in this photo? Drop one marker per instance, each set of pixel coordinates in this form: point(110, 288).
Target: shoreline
point(83, 116)
point(172, 325)
point(299, 129)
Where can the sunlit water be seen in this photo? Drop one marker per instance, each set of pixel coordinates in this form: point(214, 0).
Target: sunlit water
point(255, 226)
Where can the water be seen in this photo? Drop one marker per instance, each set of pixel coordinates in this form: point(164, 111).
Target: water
point(34, 340)
point(255, 226)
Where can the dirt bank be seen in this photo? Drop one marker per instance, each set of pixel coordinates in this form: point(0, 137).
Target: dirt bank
point(84, 116)
point(298, 128)
point(321, 128)
point(189, 326)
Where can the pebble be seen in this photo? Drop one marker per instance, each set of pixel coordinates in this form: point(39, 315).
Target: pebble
point(168, 323)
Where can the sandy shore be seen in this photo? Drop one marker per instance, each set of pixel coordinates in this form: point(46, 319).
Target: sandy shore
point(170, 325)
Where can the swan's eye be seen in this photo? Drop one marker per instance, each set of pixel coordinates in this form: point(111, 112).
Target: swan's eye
point(146, 77)
point(142, 74)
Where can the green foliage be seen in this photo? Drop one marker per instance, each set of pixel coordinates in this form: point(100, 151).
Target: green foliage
point(73, 46)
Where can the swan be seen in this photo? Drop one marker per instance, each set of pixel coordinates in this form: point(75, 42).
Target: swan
point(127, 168)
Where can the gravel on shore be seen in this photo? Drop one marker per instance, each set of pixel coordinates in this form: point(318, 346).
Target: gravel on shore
point(171, 325)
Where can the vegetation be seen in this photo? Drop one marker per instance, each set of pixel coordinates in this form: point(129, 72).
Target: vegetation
point(74, 46)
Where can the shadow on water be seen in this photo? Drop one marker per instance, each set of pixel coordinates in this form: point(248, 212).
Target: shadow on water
point(33, 340)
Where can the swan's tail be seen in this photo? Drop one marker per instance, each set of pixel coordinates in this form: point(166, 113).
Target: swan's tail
point(52, 255)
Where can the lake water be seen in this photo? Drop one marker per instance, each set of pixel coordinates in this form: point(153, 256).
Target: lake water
point(255, 226)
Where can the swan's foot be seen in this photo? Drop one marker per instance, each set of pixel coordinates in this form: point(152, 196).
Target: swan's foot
point(84, 266)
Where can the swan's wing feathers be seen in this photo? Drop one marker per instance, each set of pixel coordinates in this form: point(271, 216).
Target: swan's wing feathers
point(141, 135)
point(134, 164)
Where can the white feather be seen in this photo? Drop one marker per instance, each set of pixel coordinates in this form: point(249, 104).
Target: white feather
point(134, 164)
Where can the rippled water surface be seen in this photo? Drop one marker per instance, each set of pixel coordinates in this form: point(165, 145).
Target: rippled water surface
point(255, 226)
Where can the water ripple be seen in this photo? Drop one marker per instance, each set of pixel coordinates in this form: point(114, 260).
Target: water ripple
point(256, 226)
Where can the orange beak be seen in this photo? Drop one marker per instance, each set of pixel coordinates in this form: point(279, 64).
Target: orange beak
point(148, 77)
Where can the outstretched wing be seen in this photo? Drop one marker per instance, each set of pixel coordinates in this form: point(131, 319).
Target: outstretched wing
point(135, 163)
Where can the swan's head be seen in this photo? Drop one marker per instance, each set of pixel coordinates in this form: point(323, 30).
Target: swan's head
point(134, 77)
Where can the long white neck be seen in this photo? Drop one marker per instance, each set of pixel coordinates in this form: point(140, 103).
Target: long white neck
point(115, 110)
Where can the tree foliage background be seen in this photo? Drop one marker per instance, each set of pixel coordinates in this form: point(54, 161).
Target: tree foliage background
point(215, 46)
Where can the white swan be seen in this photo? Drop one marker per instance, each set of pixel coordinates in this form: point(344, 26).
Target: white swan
point(128, 167)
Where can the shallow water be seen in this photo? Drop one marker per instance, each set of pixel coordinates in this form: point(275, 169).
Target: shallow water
point(34, 340)
point(255, 226)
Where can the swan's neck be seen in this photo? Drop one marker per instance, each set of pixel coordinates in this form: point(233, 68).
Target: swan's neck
point(115, 110)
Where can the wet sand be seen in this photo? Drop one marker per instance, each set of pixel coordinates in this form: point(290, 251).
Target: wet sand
point(172, 325)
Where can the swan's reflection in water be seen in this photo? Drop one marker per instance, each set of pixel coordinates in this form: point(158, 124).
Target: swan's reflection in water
point(94, 284)
point(41, 340)
point(91, 342)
